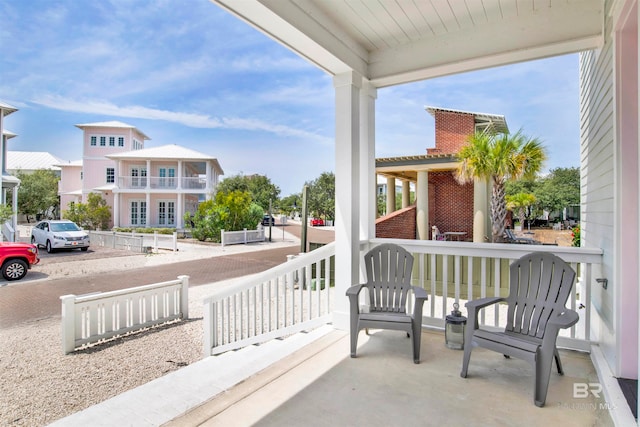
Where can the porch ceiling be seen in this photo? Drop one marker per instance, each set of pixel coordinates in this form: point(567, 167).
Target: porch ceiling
point(393, 42)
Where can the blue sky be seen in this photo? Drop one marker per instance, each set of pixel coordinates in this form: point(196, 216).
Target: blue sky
point(197, 76)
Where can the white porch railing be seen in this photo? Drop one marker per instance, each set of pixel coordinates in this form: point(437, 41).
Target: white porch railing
point(286, 299)
point(242, 236)
point(96, 317)
point(276, 303)
point(452, 271)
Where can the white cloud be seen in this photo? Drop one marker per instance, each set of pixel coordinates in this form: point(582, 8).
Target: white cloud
point(193, 120)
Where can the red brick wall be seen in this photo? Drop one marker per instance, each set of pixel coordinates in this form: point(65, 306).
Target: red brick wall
point(400, 224)
point(450, 204)
point(452, 130)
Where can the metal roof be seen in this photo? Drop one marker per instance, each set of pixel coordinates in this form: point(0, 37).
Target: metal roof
point(7, 109)
point(166, 152)
point(31, 160)
point(495, 121)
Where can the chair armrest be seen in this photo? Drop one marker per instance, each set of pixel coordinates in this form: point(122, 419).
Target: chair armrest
point(419, 293)
point(473, 307)
point(354, 290)
point(482, 302)
point(565, 320)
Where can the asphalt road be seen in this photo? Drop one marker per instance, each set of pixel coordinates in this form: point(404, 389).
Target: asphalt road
point(27, 301)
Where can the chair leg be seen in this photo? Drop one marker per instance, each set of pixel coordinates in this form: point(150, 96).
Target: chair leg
point(354, 336)
point(542, 373)
point(465, 358)
point(556, 355)
point(415, 342)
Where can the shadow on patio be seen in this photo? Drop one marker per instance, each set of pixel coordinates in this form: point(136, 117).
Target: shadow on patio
point(321, 385)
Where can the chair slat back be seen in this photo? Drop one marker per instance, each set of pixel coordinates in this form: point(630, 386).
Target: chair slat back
point(539, 286)
point(388, 268)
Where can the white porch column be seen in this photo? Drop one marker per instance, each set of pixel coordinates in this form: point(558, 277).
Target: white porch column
point(347, 233)
point(148, 174)
point(116, 209)
point(368, 181)
point(480, 210)
point(179, 210)
point(422, 206)
point(14, 218)
point(209, 179)
point(179, 174)
point(406, 194)
point(148, 209)
point(391, 195)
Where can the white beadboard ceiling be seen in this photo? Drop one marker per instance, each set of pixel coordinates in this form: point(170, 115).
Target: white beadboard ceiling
point(397, 41)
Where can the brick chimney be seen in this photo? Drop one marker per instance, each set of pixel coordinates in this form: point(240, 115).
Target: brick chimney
point(452, 130)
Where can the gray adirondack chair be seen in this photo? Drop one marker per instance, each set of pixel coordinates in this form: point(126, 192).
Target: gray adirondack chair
point(388, 269)
point(539, 286)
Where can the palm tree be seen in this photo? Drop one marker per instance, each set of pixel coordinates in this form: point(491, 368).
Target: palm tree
point(499, 158)
point(519, 202)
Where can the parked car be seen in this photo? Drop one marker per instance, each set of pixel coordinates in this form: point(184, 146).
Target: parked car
point(265, 220)
point(315, 222)
point(16, 259)
point(59, 234)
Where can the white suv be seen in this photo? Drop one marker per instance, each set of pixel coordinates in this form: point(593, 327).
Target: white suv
point(59, 234)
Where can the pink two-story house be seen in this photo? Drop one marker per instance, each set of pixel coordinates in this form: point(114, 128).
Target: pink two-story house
point(144, 187)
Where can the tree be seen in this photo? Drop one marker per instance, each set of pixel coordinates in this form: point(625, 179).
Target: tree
point(499, 158)
point(92, 215)
point(561, 188)
point(519, 202)
point(290, 204)
point(38, 193)
point(259, 187)
point(322, 196)
point(6, 212)
point(230, 211)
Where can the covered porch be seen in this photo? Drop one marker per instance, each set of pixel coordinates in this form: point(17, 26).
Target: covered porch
point(368, 47)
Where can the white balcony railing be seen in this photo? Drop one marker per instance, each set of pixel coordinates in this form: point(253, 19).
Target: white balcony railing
point(161, 183)
point(286, 298)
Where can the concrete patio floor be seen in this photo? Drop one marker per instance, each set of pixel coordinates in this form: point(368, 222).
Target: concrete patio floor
point(320, 385)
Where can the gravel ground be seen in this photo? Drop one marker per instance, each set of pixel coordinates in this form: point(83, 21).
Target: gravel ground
point(39, 384)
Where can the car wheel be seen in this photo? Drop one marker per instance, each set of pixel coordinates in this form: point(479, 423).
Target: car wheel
point(84, 249)
point(14, 269)
point(33, 241)
point(49, 248)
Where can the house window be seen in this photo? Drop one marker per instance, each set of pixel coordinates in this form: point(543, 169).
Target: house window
point(94, 141)
point(167, 177)
point(112, 141)
point(103, 141)
point(138, 212)
point(138, 177)
point(120, 141)
point(166, 213)
point(111, 175)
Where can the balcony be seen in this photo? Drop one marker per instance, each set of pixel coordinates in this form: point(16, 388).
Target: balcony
point(157, 183)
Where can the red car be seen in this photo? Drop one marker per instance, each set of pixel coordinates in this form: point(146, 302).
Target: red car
point(315, 222)
point(16, 259)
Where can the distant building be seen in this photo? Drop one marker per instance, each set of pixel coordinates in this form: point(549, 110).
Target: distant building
point(440, 200)
point(151, 187)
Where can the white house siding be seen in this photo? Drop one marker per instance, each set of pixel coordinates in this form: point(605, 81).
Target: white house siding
point(604, 222)
point(597, 177)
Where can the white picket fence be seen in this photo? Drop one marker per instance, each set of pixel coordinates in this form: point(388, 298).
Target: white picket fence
point(96, 317)
point(242, 236)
